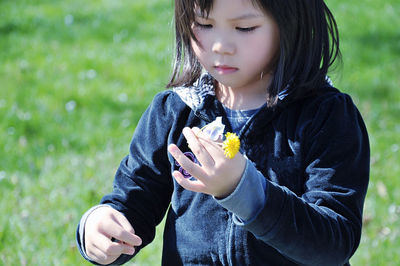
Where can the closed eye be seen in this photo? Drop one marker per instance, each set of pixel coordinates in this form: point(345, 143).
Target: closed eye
point(202, 26)
point(248, 29)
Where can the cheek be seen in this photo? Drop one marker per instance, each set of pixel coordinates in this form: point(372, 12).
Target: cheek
point(196, 47)
point(200, 48)
point(262, 51)
point(204, 38)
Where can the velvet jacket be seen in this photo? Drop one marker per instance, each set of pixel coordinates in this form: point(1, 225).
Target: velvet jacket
point(313, 153)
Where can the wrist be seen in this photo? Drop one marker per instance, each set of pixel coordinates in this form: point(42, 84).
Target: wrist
point(248, 198)
point(238, 167)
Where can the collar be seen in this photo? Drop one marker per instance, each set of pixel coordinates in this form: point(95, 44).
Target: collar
point(194, 95)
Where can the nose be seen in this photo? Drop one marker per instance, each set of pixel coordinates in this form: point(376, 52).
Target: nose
point(223, 47)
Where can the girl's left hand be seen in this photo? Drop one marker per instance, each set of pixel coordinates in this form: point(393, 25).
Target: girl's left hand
point(217, 176)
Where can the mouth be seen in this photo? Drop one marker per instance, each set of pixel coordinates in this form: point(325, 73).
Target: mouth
point(225, 69)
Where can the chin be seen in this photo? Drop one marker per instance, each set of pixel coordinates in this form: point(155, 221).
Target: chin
point(232, 83)
point(227, 80)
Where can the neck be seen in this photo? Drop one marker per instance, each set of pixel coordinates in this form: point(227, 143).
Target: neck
point(244, 98)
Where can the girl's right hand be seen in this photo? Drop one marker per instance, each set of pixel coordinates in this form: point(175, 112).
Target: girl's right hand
point(108, 234)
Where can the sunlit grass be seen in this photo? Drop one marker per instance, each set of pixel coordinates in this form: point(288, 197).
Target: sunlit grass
point(75, 79)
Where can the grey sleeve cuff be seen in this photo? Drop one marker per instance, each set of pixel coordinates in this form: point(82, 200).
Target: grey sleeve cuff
point(248, 198)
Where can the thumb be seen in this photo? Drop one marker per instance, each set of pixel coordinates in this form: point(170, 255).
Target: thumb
point(120, 219)
point(127, 235)
point(127, 249)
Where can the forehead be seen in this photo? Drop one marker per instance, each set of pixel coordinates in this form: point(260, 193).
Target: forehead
point(227, 8)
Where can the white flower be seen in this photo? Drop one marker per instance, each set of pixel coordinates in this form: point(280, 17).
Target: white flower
point(215, 129)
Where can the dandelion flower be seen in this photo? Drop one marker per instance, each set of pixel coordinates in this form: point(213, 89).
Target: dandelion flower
point(215, 130)
point(231, 145)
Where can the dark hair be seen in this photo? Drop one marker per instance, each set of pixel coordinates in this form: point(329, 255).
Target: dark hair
point(309, 44)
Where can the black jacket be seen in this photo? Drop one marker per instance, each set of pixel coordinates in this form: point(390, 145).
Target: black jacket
point(314, 153)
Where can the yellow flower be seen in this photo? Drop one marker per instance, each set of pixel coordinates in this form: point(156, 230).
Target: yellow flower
point(231, 145)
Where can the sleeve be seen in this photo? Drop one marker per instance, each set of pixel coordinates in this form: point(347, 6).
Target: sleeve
point(248, 198)
point(142, 185)
point(323, 225)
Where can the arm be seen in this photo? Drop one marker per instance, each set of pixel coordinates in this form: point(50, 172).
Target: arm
point(323, 225)
point(142, 186)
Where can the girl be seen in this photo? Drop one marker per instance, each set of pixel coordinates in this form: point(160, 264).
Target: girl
point(293, 194)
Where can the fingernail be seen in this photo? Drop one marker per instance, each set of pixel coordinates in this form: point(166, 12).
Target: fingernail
point(173, 149)
point(186, 131)
point(131, 251)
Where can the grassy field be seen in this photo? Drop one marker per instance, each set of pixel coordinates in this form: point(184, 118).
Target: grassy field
point(75, 77)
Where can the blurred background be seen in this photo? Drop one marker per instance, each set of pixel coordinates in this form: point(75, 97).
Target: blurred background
point(75, 77)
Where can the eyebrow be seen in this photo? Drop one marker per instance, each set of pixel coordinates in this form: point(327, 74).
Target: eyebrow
point(241, 17)
point(247, 16)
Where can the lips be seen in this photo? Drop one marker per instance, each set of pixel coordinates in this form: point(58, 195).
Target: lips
point(225, 69)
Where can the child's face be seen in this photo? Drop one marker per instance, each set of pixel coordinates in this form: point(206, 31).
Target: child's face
point(238, 42)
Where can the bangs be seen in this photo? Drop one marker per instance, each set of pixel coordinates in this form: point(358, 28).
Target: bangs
point(185, 14)
point(204, 6)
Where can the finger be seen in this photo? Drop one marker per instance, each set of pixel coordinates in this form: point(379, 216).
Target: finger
point(193, 185)
point(126, 249)
point(200, 134)
point(115, 230)
point(113, 249)
point(97, 255)
point(199, 150)
point(188, 165)
point(135, 240)
point(96, 250)
point(126, 237)
point(123, 222)
point(197, 131)
point(214, 148)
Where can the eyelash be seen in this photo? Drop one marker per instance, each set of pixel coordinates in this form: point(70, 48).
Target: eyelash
point(249, 29)
point(202, 26)
point(209, 26)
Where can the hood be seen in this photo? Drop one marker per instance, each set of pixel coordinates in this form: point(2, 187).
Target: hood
point(195, 94)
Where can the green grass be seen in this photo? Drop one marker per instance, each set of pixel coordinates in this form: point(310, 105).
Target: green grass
point(75, 77)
